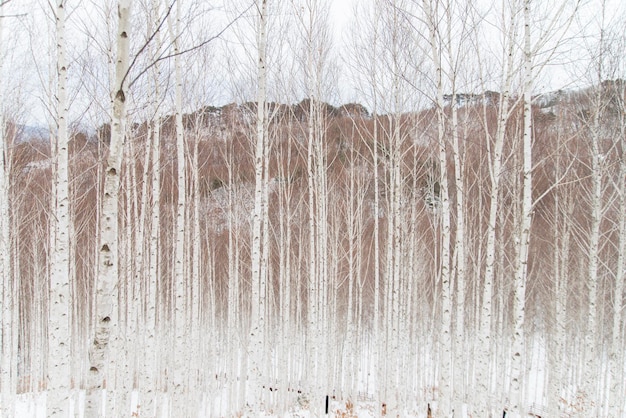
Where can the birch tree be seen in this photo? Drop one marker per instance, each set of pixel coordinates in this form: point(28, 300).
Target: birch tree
point(102, 364)
point(366, 56)
point(596, 210)
point(519, 293)
point(456, 59)
point(6, 362)
point(59, 303)
point(258, 279)
point(616, 368)
point(312, 22)
point(180, 257)
point(432, 16)
point(495, 153)
point(616, 354)
point(151, 364)
point(548, 41)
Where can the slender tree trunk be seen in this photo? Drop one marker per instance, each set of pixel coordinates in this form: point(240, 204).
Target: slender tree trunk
point(318, 309)
point(519, 290)
point(141, 328)
point(616, 357)
point(102, 365)
point(445, 378)
point(376, 337)
point(59, 337)
point(257, 293)
point(197, 325)
point(349, 360)
point(234, 298)
point(563, 214)
point(460, 349)
point(179, 374)
point(154, 272)
point(149, 384)
point(485, 339)
point(590, 375)
point(7, 387)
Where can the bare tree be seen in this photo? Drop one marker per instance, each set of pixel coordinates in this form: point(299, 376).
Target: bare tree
point(101, 354)
point(432, 16)
point(259, 279)
point(519, 305)
point(6, 375)
point(495, 152)
point(59, 303)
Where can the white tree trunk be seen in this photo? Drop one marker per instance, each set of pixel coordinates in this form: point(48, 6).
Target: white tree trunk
point(149, 383)
point(151, 361)
point(180, 254)
point(234, 298)
point(590, 371)
point(445, 377)
point(7, 387)
point(102, 364)
point(313, 314)
point(519, 290)
point(484, 337)
point(591, 356)
point(460, 349)
point(257, 293)
point(59, 303)
point(616, 358)
point(197, 325)
point(563, 214)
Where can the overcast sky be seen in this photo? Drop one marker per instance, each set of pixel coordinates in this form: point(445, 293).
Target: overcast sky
point(27, 41)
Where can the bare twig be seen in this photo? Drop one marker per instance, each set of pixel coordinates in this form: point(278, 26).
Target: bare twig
point(185, 51)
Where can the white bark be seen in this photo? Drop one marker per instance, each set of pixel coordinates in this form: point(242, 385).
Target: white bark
point(258, 282)
point(127, 284)
point(197, 325)
point(151, 360)
point(136, 281)
point(460, 349)
point(59, 303)
point(149, 383)
point(376, 334)
point(616, 356)
point(395, 240)
point(180, 300)
point(495, 170)
point(313, 315)
point(101, 358)
point(285, 279)
point(519, 290)
point(353, 242)
point(314, 38)
point(7, 387)
point(591, 371)
point(234, 298)
point(563, 214)
point(596, 207)
point(445, 377)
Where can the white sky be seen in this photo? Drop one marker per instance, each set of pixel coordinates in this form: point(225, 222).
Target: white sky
point(33, 81)
point(341, 13)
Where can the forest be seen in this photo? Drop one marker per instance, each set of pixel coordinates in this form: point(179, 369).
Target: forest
point(227, 209)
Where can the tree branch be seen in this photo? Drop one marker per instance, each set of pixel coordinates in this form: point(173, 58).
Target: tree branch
point(145, 45)
point(193, 48)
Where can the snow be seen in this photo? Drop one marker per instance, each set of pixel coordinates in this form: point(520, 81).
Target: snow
point(33, 405)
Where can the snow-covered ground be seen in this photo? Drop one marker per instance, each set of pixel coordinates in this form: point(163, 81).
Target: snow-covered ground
point(34, 406)
point(217, 403)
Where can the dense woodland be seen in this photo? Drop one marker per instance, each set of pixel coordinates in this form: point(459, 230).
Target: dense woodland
point(456, 242)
